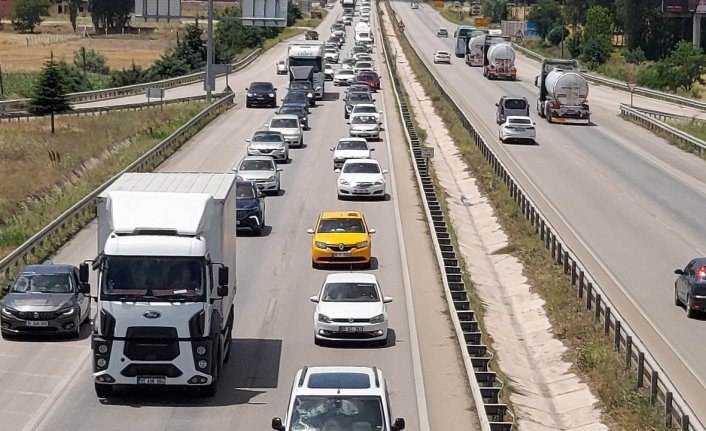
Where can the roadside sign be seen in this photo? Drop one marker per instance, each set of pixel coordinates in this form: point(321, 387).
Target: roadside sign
point(632, 85)
point(428, 152)
point(518, 36)
point(155, 93)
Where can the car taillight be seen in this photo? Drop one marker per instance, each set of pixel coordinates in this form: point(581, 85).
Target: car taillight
point(701, 273)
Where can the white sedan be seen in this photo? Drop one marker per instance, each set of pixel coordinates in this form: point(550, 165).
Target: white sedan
point(361, 178)
point(350, 307)
point(517, 128)
point(368, 109)
point(350, 148)
point(344, 77)
point(442, 57)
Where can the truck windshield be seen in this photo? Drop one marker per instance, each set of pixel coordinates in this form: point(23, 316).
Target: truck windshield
point(147, 278)
point(316, 413)
point(315, 62)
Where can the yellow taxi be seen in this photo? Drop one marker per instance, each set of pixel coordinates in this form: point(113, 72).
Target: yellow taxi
point(341, 238)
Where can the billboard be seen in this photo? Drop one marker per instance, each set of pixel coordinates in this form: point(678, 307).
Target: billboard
point(154, 10)
point(683, 7)
point(264, 13)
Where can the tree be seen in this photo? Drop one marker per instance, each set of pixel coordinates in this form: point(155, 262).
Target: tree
point(293, 13)
point(50, 92)
point(557, 34)
point(91, 61)
point(123, 77)
point(546, 15)
point(29, 14)
point(686, 65)
point(596, 43)
point(110, 14)
point(168, 66)
point(495, 10)
point(192, 48)
point(74, 5)
point(648, 28)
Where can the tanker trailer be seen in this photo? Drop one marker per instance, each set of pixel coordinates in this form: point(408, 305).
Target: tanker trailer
point(501, 62)
point(563, 93)
point(474, 51)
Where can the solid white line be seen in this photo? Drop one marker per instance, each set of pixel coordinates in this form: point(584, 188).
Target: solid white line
point(413, 339)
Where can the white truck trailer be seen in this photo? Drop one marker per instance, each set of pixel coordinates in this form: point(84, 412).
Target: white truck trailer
point(308, 58)
point(563, 92)
point(166, 281)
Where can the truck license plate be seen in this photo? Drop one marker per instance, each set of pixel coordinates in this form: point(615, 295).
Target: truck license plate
point(151, 380)
point(341, 255)
point(38, 324)
point(350, 329)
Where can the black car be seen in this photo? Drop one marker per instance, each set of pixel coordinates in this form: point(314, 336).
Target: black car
point(296, 98)
point(296, 110)
point(354, 98)
point(261, 94)
point(46, 299)
point(311, 35)
point(250, 207)
point(690, 287)
point(305, 86)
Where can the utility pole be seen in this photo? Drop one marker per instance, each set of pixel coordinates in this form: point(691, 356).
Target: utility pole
point(209, 51)
point(696, 33)
point(2, 86)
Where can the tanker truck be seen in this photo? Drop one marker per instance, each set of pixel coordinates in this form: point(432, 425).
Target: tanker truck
point(474, 52)
point(498, 58)
point(563, 92)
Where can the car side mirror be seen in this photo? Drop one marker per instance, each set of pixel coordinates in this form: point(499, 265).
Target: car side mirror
point(310, 231)
point(267, 125)
point(386, 300)
point(371, 231)
point(247, 89)
point(536, 79)
point(496, 104)
point(679, 272)
point(277, 424)
point(279, 169)
point(314, 298)
point(84, 288)
point(83, 272)
point(223, 278)
point(385, 171)
point(372, 149)
point(373, 100)
point(399, 425)
point(332, 149)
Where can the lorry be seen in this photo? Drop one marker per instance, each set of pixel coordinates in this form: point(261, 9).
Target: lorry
point(166, 281)
point(348, 5)
point(306, 61)
point(474, 52)
point(563, 92)
point(498, 58)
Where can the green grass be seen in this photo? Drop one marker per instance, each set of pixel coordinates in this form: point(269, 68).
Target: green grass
point(452, 16)
point(20, 85)
point(624, 406)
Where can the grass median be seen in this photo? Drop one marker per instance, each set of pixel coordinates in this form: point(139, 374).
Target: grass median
point(595, 361)
point(38, 186)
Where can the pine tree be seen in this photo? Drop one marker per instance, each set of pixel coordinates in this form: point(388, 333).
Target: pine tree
point(50, 92)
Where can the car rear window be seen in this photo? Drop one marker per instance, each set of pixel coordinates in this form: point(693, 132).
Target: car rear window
point(515, 104)
point(519, 121)
point(339, 380)
point(352, 145)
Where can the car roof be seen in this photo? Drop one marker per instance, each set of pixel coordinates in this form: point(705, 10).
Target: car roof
point(347, 277)
point(284, 117)
point(261, 83)
point(48, 268)
point(339, 380)
point(341, 214)
point(268, 158)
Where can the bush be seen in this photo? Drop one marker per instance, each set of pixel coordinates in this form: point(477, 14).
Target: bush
point(134, 75)
point(650, 77)
point(91, 61)
point(595, 51)
point(557, 34)
point(635, 56)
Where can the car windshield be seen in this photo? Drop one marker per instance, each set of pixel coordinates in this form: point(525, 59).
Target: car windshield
point(359, 97)
point(361, 168)
point(296, 94)
point(359, 88)
point(244, 190)
point(267, 137)
point(364, 119)
point(335, 225)
point(148, 278)
point(331, 51)
point(519, 121)
point(350, 292)
point(257, 165)
point(515, 104)
point(284, 123)
point(352, 145)
point(347, 72)
point(43, 283)
point(365, 109)
point(345, 413)
point(362, 64)
point(263, 88)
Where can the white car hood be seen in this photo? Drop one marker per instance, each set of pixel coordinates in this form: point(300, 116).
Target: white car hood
point(352, 154)
point(356, 310)
point(361, 178)
point(287, 131)
point(256, 175)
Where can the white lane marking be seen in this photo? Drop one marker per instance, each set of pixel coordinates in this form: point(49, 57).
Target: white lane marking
point(414, 341)
point(41, 412)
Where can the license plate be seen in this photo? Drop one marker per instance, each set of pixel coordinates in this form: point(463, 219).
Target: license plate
point(360, 190)
point(40, 323)
point(237, 222)
point(151, 380)
point(341, 255)
point(350, 329)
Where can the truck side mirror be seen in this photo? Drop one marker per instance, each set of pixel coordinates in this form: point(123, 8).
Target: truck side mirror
point(84, 288)
point(223, 276)
point(277, 424)
point(536, 80)
point(83, 273)
point(399, 425)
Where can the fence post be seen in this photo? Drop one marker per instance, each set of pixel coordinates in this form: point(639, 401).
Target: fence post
point(628, 351)
point(617, 335)
point(640, 369)
point(654, 377)
point(598, 306)
point(606, 321)
point(668, 408)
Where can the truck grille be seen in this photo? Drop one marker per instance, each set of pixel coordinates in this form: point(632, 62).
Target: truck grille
point(146, 343)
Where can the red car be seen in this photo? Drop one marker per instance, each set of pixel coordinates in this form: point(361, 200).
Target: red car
point(370, 78)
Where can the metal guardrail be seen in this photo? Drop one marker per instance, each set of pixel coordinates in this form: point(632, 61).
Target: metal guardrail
point(99, 110)
point(485, 386)
point(674, 135)
point(642, 91)
point(649, 374)
point(130, 90)
point(85, 210)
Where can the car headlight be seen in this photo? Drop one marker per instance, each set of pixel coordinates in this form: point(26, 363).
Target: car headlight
point(362, 244)
point(344, 181)
point(321, 245)
point(379, 182)
point(68, 311)
point(249, 94)
point(239, 178)
point(378, 319)
point(271, 95)
point(7, 311)
point(339, 158)
point(324, 318)
point(309, 94)
point(272, 178)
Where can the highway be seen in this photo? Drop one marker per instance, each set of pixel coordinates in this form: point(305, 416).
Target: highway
point(630, 205)
point(47, 385)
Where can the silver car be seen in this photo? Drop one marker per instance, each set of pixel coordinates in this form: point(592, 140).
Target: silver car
point(364, 126)
point(261, 170)
point(268, 143)
point(289, 126)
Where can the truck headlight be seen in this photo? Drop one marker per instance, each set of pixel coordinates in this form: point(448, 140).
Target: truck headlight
point(101, 363)
point(378, 319)
point(202, 364)
point(321, 245)
point(324, 318)
point(103, 349)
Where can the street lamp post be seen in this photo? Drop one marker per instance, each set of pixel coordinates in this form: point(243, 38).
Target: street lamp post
point(209, 52)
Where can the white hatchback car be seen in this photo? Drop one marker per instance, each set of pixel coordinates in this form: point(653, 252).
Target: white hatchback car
point(442, 57)
point(350, 148)
point(364, 126)
point(350, 307)
point(361, 178)
point(517, 128)
point(339, 398)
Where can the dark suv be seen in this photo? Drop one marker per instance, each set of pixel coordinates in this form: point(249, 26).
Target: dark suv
point(354, 98)
point(261, 94)
point(250, 207)
point(46, 299)
point(311, 35)
point(509, 106)
point(304, 86)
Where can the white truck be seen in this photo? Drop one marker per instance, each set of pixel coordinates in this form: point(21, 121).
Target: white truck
point(166, 281)
point(563, 92)
point(499, 58)
point(307, 59)
point(474, 53)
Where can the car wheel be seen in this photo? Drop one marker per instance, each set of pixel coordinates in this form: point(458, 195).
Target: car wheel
point(247, 104)
point(677, 302)
point(690, 312)
point(103, 390)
